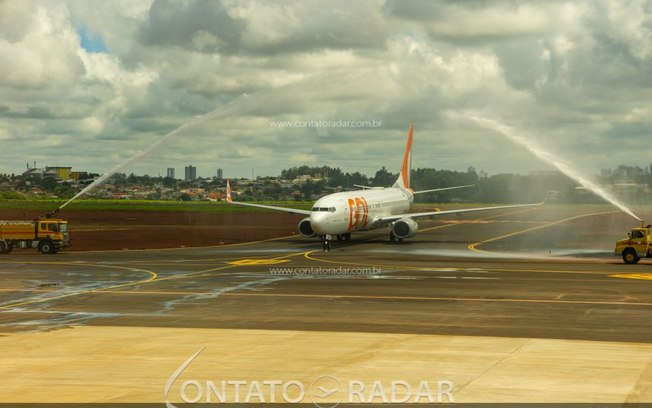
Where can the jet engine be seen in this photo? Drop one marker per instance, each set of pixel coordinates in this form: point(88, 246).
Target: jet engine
point(305, 228)
point(405, 228)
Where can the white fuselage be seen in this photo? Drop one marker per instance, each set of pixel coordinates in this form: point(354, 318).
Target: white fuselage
point(342, 213)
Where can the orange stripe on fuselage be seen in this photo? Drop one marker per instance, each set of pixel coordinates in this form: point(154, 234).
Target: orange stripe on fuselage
point(359, 217)
point(365, 217)
point(351, 203)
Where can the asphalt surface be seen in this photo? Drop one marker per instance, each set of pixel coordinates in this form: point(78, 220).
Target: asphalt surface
point(511, 306)
point(527, 274)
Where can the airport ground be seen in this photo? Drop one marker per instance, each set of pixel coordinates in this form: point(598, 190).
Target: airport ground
point(508, 306)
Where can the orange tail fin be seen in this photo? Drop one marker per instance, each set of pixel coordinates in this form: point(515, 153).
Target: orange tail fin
point(228, 191)
point(403, 180)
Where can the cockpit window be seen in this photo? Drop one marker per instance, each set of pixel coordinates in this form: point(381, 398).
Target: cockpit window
point(323, 209)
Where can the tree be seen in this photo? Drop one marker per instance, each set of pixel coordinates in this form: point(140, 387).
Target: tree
point(427, 179)
point(384, 178)
point(11, 195)
point(49, 184)
point(355, 178)
point(311, 188)
point(169, 182)
point(64, 190)
point(119, 179)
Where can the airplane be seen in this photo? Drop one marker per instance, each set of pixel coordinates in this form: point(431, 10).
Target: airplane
point(340, 214)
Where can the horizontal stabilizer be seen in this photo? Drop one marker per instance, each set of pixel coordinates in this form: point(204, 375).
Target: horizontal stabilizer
point(229, 199)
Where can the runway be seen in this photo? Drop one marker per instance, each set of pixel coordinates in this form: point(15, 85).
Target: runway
point(511, 307)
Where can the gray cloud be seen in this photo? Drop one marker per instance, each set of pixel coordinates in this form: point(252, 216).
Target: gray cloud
point(574, 76)
point(202, 25)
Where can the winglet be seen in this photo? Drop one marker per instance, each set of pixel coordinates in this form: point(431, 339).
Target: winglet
point(228, 191)
point(404, 178)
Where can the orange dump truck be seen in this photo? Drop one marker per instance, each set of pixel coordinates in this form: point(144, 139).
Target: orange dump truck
point(49, 235)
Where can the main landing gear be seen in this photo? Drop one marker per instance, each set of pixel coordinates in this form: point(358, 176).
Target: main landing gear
point(394, 238)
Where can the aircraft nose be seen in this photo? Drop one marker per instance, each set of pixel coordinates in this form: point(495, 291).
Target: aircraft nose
point(318, 221)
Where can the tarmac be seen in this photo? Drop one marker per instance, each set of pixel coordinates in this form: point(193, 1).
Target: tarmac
point(515, 306)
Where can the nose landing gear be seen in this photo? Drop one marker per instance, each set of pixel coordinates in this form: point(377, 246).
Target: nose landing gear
point(326, 240)
point(326, 243)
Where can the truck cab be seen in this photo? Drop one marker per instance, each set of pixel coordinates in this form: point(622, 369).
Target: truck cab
point(637, 245)
point(56, 230)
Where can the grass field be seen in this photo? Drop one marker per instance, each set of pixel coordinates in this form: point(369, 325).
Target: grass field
point(140, 205)
point(211, 207)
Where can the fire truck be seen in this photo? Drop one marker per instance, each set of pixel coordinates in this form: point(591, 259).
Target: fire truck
point(637, 245)
point(49, 235)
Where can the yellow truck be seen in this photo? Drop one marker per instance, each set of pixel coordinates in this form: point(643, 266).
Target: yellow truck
point(49, 235)
point(636, 246)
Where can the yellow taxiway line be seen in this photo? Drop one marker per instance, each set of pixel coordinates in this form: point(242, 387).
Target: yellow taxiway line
point(473, 247)
point(153, 278)
point(435, 298)
point(308, 255)
point(152, 274)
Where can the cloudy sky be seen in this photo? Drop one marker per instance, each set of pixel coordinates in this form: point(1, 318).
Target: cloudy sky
point(88, 84)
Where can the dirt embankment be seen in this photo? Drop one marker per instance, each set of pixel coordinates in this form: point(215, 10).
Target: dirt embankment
point(101, 230)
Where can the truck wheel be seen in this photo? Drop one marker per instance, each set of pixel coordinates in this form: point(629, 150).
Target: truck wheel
point(46, 247)
point(4, 248)
point(630, 256)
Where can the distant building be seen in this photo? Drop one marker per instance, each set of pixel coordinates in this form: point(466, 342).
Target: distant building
point(171, 172)
point(34, 173)
point(78, 175)
point(219, 174)
point(62, 173)
point(191, 173)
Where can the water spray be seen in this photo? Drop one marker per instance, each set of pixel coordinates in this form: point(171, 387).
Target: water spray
point(241, 104)
point(219, 112)
point(547, 157)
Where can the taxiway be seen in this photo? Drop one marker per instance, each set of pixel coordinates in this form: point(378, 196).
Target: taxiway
point(511, 307)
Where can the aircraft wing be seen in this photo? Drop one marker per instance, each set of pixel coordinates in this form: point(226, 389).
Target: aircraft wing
point(418, 192)
point(268, 207)
point(431, 214)
point(442, 189)
point(272, 207)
